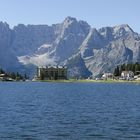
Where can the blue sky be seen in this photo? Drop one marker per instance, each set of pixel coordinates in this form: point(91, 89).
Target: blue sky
point(98, 13)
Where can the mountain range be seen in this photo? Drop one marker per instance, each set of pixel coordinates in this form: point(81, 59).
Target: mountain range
point(86, 51)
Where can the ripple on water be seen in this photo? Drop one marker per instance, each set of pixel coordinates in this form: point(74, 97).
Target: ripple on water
point(40, 111)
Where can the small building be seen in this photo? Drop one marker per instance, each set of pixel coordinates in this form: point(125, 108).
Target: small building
point(127, 74)
point(2, 77)
point(107, 75)
point(52, 73)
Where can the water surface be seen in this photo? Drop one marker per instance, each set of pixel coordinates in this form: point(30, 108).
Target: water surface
point(69, 111)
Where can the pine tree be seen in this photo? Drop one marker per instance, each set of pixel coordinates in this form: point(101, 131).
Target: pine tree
point(136, 68)
point(117, 71)
point(12, 75)
point(25, 76)
point(2, 71)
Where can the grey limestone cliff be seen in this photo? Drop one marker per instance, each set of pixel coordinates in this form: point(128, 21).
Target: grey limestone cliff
point(85, 50)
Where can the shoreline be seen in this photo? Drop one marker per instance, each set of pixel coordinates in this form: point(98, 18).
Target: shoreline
point(88, 81)
point(78, 81)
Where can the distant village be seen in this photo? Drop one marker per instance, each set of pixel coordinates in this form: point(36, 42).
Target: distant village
point(126, 72)
point(11, 76)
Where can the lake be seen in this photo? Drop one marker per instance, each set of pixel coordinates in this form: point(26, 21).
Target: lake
point(69, 111)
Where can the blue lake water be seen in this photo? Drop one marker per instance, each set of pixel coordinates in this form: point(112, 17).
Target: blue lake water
point(69, 111)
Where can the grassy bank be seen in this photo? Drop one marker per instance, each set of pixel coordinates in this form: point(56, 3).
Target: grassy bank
point(90, 81)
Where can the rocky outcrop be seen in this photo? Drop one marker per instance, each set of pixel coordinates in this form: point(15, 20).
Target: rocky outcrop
point(8, 59)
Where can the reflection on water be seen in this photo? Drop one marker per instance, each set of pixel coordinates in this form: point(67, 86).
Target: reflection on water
point(69, 111)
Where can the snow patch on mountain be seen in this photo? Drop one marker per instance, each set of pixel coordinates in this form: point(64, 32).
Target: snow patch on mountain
point(37, 60)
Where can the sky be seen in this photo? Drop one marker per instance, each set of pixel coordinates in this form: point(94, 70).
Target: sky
point(98, 13)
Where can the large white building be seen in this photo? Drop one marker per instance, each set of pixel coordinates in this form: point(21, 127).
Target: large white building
point(52, 73)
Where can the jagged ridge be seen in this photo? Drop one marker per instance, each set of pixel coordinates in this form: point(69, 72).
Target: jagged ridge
point(93, 51)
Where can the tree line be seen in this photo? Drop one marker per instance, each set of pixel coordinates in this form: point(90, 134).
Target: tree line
point(13, 75)
point(135, 68)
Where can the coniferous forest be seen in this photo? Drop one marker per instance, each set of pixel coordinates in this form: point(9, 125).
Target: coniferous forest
point(127, 67)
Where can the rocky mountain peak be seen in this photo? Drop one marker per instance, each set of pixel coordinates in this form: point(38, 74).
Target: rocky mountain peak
point(70, 19)
point(5, 35)
point(122, 28)
point(4, 24)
